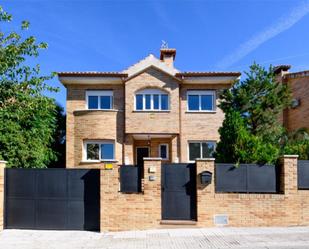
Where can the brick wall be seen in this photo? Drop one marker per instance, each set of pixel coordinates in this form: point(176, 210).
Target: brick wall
point(298, 117)
point(198, 126)
point(286, 209)
point(83, 124)
point(152, 122)
point(120, 211)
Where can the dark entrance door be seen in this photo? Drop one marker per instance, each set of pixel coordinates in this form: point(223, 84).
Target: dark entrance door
point(141, 152)
point(52, 199)
point(179, 191)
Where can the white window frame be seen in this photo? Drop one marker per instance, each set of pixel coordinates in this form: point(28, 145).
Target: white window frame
point(151, 92)
point(201, 147)
point(167, 151)
point(100, 93)
point(200, 93)
point(99, 142)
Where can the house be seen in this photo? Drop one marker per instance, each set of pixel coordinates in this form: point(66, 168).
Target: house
point(297, 116)
point(151, 109)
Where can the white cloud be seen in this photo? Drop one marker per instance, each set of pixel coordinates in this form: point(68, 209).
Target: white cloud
point(284, 23)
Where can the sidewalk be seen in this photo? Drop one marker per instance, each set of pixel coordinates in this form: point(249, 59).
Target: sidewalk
point(257, 238)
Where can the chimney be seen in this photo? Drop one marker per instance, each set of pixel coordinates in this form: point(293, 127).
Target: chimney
point(281, 69)
point(168, 55)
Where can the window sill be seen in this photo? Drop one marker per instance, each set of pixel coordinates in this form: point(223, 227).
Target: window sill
point(152, 111)
point(211, 112)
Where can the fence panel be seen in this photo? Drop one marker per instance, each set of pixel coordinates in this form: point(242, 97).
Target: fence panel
point(246, 178)
point(130, 179)
point(303, 174)
point(52, 199)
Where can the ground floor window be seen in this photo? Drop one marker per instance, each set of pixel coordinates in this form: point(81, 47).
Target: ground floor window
point(201, 149)
point(99, 150)
point(163, 151)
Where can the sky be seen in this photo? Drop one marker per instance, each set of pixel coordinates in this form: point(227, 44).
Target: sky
point(111, 35)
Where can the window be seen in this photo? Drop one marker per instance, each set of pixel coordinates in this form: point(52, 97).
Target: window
point(199, 101)
point(102, 100)
point(203, 149)
point(163, 151)
point(151, 100)
point(98, 150)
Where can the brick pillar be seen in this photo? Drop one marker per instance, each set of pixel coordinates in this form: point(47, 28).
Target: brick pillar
point(205, 193)
point(2, 166)
point(109, 188)
point(288, 177)
point(175, 149)
point(128, 154)
point(152, 190)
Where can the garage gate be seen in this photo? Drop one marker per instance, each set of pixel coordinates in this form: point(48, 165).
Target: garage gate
point(64, 199)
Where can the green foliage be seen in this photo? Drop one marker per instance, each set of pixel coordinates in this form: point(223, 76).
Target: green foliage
point(238, 145)
point(296, 143)
point(28, 118)
point(251, 130)
point(58, 145)
point(260, 100)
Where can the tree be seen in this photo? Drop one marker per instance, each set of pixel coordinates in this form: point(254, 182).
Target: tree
point(28, 118)
point(296, 143)
point(238, 145)
point(260, 100)
point(58, 145)
point(251, 131)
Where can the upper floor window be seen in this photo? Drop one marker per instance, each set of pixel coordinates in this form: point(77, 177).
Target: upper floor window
point(151, 100)
point(199, 101)
point(102, 100)
point(99, 150)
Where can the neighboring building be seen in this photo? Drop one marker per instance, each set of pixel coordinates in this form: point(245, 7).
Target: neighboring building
point(150, 109)
point(296, 116)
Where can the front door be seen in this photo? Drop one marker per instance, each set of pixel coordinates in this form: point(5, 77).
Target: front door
point(141, 152)
point(179, 191)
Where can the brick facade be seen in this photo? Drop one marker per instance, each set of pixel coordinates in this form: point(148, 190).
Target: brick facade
point(298, 117)
point(127, 127)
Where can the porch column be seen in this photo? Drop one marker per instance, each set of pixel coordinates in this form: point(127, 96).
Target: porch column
point(175, 149)
point(2, 167)
point(128, 154)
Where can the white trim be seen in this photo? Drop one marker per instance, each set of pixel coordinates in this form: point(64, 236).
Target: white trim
point(200, 93)
point(152, 92)
point(99, 93)
point(201, 148)
point(148, 147)
point(99, 142)
point(167, 154)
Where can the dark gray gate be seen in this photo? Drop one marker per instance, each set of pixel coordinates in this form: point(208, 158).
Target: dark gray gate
point(179, 191)
point(52, 199)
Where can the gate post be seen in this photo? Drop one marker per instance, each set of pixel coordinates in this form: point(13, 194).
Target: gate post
point(205, 193)
point(288, 177)
point(2, 166)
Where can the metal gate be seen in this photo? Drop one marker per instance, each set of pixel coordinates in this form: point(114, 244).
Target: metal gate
point(65, 199)
point(179, 191)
